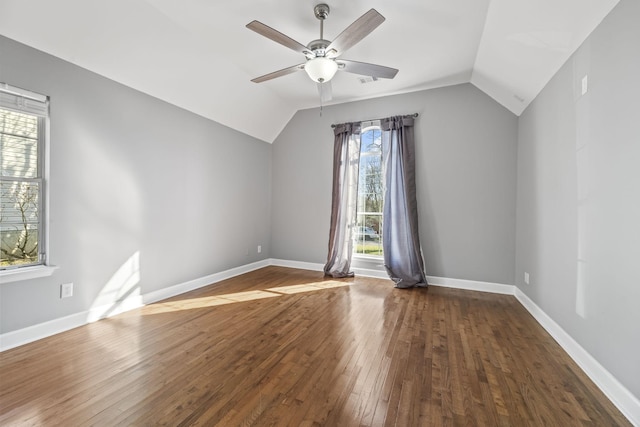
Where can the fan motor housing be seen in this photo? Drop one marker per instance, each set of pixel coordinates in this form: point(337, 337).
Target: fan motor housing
point(319, 47)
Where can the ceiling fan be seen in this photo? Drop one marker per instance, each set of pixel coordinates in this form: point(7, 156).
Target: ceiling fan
point(321, 55)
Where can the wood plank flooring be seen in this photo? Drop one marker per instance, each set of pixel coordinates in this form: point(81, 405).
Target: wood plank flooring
point(285, 347)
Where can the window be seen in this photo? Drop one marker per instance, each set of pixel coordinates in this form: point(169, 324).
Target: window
point(368, 231)
point(23, 123)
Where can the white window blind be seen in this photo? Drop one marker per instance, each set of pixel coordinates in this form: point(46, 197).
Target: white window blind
point(23, 100)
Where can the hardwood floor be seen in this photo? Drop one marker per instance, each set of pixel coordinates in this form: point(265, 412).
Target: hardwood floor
point(288, 347)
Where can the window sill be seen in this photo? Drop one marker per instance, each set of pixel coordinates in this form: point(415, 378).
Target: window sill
point(26, 273)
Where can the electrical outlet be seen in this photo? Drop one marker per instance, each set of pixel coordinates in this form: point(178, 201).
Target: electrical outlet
point(526, 278)
point(259, 248)
point(66, 290)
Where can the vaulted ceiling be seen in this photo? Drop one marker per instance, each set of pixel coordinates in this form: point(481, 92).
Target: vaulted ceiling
point(198, 54)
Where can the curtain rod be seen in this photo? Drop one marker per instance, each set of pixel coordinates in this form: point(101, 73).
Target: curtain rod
point(414, 115)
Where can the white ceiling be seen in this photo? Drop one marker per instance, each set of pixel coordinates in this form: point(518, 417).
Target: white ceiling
point(197, 54)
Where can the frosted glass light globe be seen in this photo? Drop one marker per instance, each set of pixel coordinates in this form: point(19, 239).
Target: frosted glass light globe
point(321, 69)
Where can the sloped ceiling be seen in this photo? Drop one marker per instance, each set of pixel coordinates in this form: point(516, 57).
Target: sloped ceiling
point(198, 54)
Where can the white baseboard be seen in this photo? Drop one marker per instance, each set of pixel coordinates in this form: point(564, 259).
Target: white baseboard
point(29, 334)
point(191, 285)
point(42, 330)
point(313, 266)
point(365, 272)
point(471, 285)
point(619, 395)
point(39, 331)
point(626, 402)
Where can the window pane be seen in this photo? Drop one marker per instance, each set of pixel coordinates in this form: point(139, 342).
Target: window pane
point(371, 141)
point(19, 203)
point(368, 235)
point(19, 213)
point(19, 223)
point(368, 231)
point(18, 145)
point(19, 245)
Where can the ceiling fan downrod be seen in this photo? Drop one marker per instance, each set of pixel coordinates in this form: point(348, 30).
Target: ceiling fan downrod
point(321, 11)
point(319, 46)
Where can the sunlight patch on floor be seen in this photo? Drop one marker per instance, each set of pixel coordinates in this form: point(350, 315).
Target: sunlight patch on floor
point(309, 287)
point(215, 300)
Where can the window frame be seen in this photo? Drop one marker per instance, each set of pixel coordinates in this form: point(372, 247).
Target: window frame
point(34, 104)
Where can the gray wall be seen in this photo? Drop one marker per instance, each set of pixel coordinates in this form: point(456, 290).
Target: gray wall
point(134, 182)
point(466, 180)
point(578, 209)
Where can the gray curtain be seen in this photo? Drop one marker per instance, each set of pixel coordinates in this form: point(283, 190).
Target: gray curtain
point(400, 239)
point(346, 159)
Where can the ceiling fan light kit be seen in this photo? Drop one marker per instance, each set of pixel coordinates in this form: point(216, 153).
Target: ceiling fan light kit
point(321, 65)
point(321, 69)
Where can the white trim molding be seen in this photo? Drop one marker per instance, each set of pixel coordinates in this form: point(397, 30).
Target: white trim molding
point(471, 285)
point(191, 285)
point(42, 330)
point(26, 273)
point(29, 334)
point(619, 395)
point(365, 272)
point(313, 266)
point(39, 331)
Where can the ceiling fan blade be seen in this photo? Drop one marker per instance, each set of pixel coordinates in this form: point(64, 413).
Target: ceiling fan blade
point(278, 73)
point(355, 32)
point(325, 91)
point(367, 69)
point(278, 37)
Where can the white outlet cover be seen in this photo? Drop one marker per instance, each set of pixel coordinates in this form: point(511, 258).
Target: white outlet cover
point(526, 278)
point(66, 290)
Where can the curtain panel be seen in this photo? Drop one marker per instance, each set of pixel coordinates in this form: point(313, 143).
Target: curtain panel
point(400, 238)
point(346, 159)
